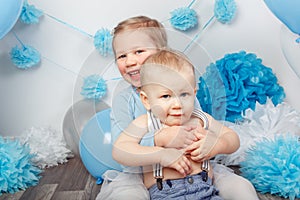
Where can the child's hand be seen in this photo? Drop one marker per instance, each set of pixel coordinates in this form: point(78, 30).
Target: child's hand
point(202, 149)
point(174, 158)
point(176, 137)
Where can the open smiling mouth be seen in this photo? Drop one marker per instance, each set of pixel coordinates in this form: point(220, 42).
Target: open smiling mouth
point(134, 73)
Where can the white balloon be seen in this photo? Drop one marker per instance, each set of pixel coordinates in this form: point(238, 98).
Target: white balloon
point(76, 118)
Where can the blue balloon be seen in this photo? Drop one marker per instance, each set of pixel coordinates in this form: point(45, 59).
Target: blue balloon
point(10, 11)
point(287, 11)
point(95, 147)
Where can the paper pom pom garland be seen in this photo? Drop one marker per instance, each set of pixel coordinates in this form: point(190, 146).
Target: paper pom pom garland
point(94, 87)
point(16, 169)
point(103, 42)
point(224, 10)
point(30, 14)
point(274, 166)
point(25, 57)
point(235, 83)
point(48, 145)
point(183, 18)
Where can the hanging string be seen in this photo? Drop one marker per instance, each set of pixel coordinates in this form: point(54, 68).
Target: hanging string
point(71, 26)
point(190, 5)
point(62, 67)
point(75, 73)
point(198, 34)
point(102, 38)
point(59, 65)
point(19, 40)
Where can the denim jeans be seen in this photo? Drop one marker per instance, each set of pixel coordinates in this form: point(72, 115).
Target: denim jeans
point(191, 187)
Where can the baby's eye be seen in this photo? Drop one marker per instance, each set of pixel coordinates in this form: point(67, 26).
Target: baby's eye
point(139, 51)
point(165, 96)
point(121, 56)
point(184, 94)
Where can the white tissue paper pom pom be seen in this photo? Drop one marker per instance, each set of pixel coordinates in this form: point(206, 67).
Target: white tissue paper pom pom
point(48, 145)
point(265, 122)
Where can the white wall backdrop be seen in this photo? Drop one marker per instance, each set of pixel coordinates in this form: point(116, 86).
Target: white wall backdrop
point(41, 96)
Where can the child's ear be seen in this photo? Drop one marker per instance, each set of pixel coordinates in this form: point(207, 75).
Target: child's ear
point(144, 99)
point(195, 91)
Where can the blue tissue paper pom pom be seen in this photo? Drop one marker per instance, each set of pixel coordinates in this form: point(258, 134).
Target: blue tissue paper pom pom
point(235, 83)
point(94, 87)
point(30, 14)
point(103, 42)
point(183, 18)
point(224, 10)
point(16, 169)
point(273, 166)
point(25, 57)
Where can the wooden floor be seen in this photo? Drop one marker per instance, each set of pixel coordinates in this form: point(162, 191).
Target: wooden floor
point(70, 181)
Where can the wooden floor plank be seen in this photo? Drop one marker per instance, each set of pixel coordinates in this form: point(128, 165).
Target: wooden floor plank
point(15, 196)
point(40, 192)
point(70, 176)
point(74, 195)
point(91, 188)
point(269, 197)
point(75, 176)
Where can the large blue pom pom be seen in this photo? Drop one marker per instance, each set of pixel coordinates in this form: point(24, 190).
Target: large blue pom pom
point(274, 166)
point(103, 42)
point(225, 10)
point(183, 18)
point(25, 57)
point(94, 87)
point(234, 84)
point(30, 14)
point(16, 170)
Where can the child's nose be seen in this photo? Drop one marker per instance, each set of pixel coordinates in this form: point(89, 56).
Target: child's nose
point(176, 103)
point(131, 60)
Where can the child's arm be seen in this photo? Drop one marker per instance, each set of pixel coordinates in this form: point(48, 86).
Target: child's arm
point(175, 137)
point(128, 151)
point(219, 139)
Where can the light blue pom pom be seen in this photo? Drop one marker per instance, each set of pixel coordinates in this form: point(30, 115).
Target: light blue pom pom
point(235, 83)
point(30, 14)
point(94, 87)
point(25, 57)
point(183, 18)
point(273, 166)
point(103, 42)
point(224, 10)
point(16, 170)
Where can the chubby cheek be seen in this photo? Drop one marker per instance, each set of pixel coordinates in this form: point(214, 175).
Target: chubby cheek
point(188, 107)
point(121, 67)
point(159, 111)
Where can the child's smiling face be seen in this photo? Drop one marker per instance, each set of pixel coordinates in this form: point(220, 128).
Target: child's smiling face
point(132, 48)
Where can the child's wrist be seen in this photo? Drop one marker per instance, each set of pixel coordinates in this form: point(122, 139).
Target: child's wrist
point(158, 140)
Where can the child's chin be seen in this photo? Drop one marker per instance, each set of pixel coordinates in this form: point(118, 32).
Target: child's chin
point(174, 123)
point(136, 83)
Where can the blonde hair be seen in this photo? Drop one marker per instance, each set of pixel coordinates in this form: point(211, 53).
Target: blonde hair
point(154, 29)
point(166, 58)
